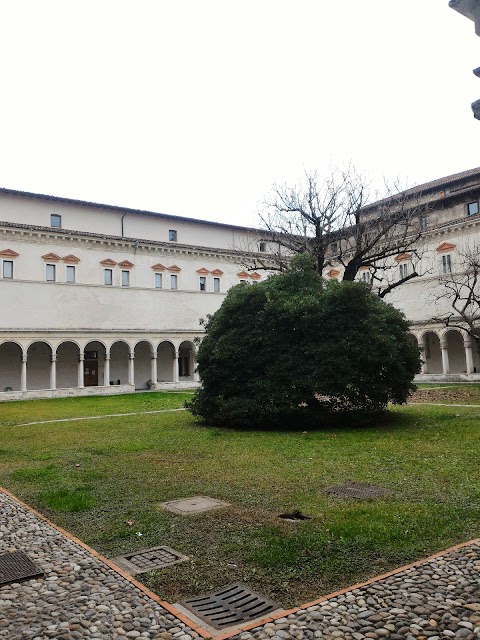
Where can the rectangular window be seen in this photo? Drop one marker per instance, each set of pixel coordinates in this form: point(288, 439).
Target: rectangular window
point(55, 220)
point(7, 269)
point(262, 247)
point(203, 283)
point(70, 273)
point(50, 273)
point(216, 285)
point(366, 277)
point(447, 263)
point(472, 208)
point(158, 281)
point(173, 281)
point(403, 270)
point(108, 276)
point(125, 278)
point(172, 235)
point(423, 222)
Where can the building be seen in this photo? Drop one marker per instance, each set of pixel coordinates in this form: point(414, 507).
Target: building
point(102, 299)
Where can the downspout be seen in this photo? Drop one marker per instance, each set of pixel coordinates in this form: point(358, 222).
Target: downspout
point(122, 222)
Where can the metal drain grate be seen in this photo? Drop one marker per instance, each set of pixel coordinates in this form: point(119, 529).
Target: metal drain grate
point(359, 490)
point(155, 558)
point(229, 606)
point(16, 566)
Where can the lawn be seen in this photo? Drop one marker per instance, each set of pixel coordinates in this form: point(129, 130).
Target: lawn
point(103, 480)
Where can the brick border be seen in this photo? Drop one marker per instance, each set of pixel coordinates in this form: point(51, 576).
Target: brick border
point(251, 625)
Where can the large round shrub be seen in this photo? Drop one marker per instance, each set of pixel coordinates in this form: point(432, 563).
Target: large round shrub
point(294, 349)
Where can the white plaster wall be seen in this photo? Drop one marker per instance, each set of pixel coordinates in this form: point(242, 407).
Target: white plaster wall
point(75, 217)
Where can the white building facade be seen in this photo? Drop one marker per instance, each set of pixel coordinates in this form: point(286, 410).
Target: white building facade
point(96, 299)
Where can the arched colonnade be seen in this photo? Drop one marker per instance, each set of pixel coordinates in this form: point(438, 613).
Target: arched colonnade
point(66, 364)
point(446, 351)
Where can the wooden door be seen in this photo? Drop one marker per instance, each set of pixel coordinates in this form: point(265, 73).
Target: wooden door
point(90, 373)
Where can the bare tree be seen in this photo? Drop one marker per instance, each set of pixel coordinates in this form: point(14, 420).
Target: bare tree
point(335, 220)
point(460, 290)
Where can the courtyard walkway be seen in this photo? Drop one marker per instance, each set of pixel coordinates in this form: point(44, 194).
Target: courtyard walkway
point(83, 595)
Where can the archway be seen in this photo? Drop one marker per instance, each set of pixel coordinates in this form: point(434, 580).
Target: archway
point(143, 364)
point(186, 360)
point(432, 354)
point(10, 366)
point(456, 351)
point(39, 362)
point(67, 365)
point(119, 358)
point(165, 362)
point(94, 364)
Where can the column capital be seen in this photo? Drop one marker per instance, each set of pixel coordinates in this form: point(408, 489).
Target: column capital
point(131, 356)
point(24, 358)
point(107, 356)
point(443, 344)
point(81, 357)
point(54, 357)
point(154, 356)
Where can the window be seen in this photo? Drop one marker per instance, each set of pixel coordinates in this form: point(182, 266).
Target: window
point(108, 276)
point(173, 281)
point(172, 235)
point(203, 283)
point(472, 208)
point(7, 270)
point(158, 281)
point(334, 247)
point(50, 272)
point(447, 263)
point(262, 247)
point(70, 273)
point(366, 277)
point(403, 270)
point(125, 278)
point(55, 220)
point(423, 222)
point(216, 285)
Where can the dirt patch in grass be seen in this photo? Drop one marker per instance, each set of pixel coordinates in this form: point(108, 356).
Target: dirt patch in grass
point(454, 395)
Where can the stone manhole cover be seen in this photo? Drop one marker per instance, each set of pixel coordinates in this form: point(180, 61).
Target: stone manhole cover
point(16, 566)
point(359, 490)
point(149, 559)
point(197, 504)
point(230, 606)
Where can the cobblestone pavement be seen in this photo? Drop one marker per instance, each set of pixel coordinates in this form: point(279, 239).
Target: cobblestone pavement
point(82, 597)
point(436, 600)
point(79, 597)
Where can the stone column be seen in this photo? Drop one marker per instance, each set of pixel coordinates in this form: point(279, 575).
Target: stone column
point(131, 369)
point(53, 372)
point(423, 346)
point(467, 345)
point(175, 366)
point(23, 374)
point(445, 362)
point(81, 380)
point(106, 370)
point(153, 372)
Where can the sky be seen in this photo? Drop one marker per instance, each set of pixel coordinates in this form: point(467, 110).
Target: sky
point(196, 107)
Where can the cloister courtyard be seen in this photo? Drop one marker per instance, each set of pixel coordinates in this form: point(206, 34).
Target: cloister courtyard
point(104, 478)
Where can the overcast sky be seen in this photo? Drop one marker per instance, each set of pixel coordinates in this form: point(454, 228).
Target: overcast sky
point(195, 107)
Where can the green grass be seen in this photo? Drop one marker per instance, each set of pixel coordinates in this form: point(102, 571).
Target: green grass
point(103, 480)
point(12, 413)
